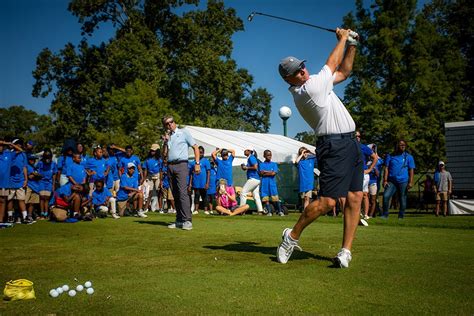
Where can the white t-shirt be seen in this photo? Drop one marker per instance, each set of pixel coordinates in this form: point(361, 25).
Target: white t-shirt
point(319, 105)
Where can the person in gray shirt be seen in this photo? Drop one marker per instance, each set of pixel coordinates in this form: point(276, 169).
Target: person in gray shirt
point(443, 188)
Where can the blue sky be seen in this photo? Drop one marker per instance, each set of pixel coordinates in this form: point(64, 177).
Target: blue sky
point(28, 26)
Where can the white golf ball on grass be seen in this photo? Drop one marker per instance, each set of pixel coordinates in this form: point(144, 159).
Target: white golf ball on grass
point(90, 291)
point(79, 288)
point(60, 290)
point(53, 293)
point(65, 287)
point(88, 284)
point(72, 293)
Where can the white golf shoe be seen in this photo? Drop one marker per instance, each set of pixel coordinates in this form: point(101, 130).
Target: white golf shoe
point(286, 247)
point(343, 258)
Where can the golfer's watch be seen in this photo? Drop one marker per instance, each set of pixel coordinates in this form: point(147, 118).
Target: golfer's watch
point(198, 163)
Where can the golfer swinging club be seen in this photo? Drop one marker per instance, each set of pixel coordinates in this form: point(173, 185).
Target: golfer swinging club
point(337, 149)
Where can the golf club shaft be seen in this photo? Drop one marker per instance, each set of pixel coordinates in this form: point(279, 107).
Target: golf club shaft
point(294, 21)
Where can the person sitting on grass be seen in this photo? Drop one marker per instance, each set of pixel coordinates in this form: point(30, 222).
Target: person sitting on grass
point(102, 200)
point(70, 197)
point(268, 171)
point(129, 192)
point(226, 200)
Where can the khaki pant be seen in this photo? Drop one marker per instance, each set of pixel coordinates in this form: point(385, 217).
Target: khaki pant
point(31, 197)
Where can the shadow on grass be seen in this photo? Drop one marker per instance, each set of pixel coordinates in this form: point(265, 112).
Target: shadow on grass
point(159, 223)
point(245, 246)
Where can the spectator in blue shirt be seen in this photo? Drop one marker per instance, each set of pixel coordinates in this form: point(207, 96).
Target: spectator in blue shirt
point(398, 177)
point(166, 193)
point(129, 192)
point(82, 151)
point(268, 171)
point(368, 156)
point(374, 180)
point(18, 181)
point(33, 189)
point(211, 192)
point(224, 164)
point(200, 182)
point(305, 163)
point(103, 201)
point(113, 174)
point(97, 168)
point(47, 169)
point(5, 162)
point(64, 163)
point(152, 173)
point(253, 180)
point(126, 158)
point(76, 172)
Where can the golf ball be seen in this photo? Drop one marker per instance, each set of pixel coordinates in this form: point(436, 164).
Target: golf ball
point(53, 293)
point(79, 288)
point(88, 284)
point(65, 287)
point(72, 293)
point(60, 290)
point(90, 291)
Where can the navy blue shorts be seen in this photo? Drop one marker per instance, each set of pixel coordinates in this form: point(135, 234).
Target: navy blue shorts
point(341, 166)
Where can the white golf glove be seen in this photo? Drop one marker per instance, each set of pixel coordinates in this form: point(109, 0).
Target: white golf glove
point(353, 39)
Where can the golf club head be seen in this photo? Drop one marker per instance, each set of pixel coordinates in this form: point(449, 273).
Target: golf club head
point(250, 17)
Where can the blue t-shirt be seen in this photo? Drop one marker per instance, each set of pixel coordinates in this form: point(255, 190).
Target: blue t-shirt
point(224, 169)
point(17, 177)
point(124, 160)
point(126, 181)
point(165, 179)
point(252, 174)
point(268, 185)
point(64, 162)
point(306, 173)
point(212, 181)
point(99, 198)
point(366, 152)
point(97, 165)
point(47, 170)
point(112, 162)
point(34, 185)
point(153, 165)
point(77, 172)
point(372, 176)
point(199, 180)
point(5, 163)
point(178, 145)
point(398, 167)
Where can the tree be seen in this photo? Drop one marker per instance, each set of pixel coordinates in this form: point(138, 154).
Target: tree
point(184, 58)
point(307, 137)
point(408, 78)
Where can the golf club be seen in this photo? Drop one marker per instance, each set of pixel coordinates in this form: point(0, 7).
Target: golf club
point(251, 15)
point(250, 18)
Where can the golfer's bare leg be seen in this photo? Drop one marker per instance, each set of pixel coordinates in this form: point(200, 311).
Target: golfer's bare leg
point(310, 213)
point(351, 218)
point(240, 209)
point(223, 210)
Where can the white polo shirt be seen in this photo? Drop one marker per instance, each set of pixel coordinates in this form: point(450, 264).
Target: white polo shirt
point(320, 106)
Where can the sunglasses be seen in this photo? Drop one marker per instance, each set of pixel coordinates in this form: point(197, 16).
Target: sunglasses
point(169, 122)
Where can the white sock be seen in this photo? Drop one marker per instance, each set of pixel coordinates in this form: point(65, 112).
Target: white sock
point(24, 213)
point(10, 213)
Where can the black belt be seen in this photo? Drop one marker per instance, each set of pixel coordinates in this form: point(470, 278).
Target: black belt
point(324, 138)
point(175, 162)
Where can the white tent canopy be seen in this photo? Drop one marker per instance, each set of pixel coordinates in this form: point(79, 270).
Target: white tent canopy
point(284, 149)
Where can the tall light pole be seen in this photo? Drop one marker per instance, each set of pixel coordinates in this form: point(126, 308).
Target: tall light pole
point(285, 113)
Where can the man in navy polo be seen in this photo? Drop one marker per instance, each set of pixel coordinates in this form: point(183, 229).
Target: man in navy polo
point(398, 176)
point(176, 144)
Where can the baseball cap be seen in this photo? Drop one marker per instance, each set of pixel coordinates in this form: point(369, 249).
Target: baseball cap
point(440, 163)
point(155, 147)
point(289, 66)
point(130, 165)
point(31, 157)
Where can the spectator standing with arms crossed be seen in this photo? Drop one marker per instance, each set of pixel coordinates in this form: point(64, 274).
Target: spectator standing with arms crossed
point(337, 150)
point(175, 148)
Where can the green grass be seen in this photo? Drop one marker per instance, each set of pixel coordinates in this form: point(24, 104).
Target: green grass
point(423, 265)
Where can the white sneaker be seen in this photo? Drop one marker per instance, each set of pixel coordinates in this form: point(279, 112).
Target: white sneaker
point(286, 247)
point(343, 258)
point(161, 212)
point(366, 217)
point(281, 214)
point(195, 212)
point(175, 225)
point(141, 214)
point(206, 212)
point(115, 216)
point(187, 225)
point(363, 222)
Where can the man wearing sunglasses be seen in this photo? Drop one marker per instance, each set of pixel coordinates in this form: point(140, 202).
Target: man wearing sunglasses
point(337, 150)
point(176, 142)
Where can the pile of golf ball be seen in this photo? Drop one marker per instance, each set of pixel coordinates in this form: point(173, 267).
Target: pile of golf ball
point(72, 292)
